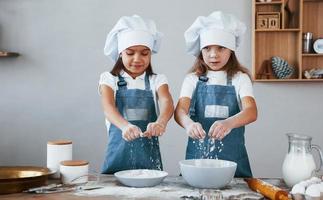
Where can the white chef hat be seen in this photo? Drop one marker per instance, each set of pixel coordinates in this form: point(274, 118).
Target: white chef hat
point(216, 29)
point(131, 31)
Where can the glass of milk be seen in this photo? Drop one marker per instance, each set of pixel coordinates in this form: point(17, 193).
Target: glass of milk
point(299, 162)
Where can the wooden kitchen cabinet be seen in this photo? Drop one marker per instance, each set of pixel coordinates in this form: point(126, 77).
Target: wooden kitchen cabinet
point(284, 38)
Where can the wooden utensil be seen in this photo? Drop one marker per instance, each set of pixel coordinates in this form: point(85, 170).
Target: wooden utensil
point(268, 190)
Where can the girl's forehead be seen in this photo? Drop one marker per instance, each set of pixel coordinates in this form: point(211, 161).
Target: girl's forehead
point(138, 48)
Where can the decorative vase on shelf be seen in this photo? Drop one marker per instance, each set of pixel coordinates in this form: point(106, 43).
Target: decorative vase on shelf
point(281, 68)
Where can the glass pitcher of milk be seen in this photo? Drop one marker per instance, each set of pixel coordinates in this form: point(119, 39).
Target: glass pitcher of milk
point(299, 162)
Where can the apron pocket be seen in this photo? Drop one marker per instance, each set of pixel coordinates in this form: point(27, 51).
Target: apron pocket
point(136, 114)
point(216, 111)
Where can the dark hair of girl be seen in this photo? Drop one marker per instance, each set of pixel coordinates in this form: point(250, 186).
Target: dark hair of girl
point(231, 67)
point(119, 66)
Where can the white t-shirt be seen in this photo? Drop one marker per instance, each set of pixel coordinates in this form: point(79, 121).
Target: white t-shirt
point(240, 81)
point(156, 80)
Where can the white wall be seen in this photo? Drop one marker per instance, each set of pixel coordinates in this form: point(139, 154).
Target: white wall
point(50, 91)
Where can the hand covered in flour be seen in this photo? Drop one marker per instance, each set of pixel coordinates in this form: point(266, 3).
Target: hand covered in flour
point(130, 132)
point(195, 130)
point(154, 129)
point(219, 129)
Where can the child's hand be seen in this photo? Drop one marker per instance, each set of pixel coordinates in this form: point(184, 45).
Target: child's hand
point(195, 130)
point(130, 132)
point(154, 129)
point(219, 129)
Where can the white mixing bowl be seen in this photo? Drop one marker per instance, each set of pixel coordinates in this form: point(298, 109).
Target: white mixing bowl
point(208, 173)
point(141, 177)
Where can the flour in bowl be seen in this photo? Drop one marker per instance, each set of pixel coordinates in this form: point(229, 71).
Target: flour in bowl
point(141, 173)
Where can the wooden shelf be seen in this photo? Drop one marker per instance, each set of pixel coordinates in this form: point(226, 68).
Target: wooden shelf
point(296, 17)
point(4, 54)
point(278, 30)
point(288, 80)
point(269, 3)
point(312, 54)
point(312, 1)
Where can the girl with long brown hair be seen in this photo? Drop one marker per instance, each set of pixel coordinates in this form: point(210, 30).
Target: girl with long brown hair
point(129, 93)
point(216, 100)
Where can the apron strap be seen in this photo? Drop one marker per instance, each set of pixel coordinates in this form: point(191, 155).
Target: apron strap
point(147, 83)
point(122, 84)
point(202, 80)
point(229, 80)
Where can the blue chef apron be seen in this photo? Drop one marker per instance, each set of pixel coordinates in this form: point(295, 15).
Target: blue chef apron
point(211, 103)
point(136, 106)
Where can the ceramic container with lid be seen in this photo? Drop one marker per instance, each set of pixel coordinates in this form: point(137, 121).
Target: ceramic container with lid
point(57, 151)
point(74, 171)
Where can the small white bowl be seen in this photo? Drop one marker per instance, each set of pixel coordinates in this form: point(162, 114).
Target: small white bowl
point(208, 173)
point(140, 177)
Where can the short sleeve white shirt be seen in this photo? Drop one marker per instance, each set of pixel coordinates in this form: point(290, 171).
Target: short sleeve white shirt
point(240, 81)
point(155, 80)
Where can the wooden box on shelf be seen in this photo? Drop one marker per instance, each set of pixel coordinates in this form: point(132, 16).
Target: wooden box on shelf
point(295, 17)
point(268, 20)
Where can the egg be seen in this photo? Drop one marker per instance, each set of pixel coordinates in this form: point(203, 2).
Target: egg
point(313, 190)
point(298, 189)
point(315, 180)
point(308, 182)
point(321, 187)
point(304, 183)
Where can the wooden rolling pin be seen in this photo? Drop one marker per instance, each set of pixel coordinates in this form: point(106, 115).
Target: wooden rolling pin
point(268, 190)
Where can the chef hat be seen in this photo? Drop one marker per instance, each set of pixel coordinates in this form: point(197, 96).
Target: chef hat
point(217, 29)
point(131, 31)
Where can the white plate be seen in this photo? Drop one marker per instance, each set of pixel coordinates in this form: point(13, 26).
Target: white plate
point(318, 46)
point(141, 177)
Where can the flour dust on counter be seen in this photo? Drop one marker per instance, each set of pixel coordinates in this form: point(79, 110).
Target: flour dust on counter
point(172, 188)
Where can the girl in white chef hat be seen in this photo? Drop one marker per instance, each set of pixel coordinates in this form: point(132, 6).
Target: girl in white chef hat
point(216, 99)
point(130, 92)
